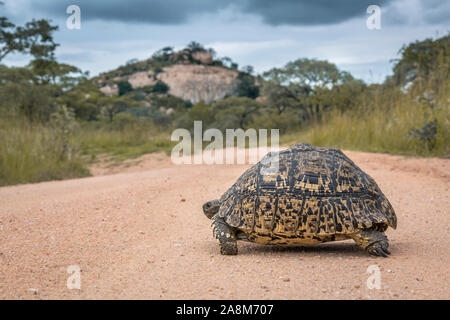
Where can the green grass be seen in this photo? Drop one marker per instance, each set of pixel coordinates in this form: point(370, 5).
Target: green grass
point(27, 154)
point(32, 152)
point(381, 125)
point(129, 142)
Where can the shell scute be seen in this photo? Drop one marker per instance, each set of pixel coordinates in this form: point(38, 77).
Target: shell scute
point(312, 192)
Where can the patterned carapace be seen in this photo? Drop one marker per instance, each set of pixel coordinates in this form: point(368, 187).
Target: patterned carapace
point(314, 195)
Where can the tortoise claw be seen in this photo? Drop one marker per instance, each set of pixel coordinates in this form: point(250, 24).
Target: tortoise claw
point(379, 249)
point(384, 246)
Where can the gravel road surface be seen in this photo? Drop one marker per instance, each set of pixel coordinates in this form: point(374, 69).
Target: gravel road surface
point(138, 231)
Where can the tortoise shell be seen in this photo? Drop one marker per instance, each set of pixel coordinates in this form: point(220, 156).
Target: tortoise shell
point(315, 194)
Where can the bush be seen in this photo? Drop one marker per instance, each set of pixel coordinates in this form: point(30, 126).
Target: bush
point(284, 122)
point(247, 87)
point(123, 120)
point(160, 87)
point(385, 123)
point(235, 112)
point(124, 87)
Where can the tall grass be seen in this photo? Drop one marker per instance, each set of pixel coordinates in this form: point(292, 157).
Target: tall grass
point(130, 141)
point(27, 154)
point(383, 123)
point(31, 152)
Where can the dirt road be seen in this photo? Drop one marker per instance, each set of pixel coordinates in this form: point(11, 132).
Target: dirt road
point(140, 233)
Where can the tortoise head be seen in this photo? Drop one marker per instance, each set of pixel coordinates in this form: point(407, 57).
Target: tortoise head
point(210, 208)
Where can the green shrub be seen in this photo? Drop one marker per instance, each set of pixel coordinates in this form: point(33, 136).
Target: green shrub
point(383, 124)
point(160, 87)
point(124, 87)
point(123, 120)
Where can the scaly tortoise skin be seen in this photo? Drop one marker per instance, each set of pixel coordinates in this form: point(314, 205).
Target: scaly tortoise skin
point(316, 195)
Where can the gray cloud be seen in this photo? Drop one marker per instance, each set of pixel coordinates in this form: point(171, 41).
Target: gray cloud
point(423, 12)
point(144, 11)
point(279, 12)
point(436, 11)
point(309, 12)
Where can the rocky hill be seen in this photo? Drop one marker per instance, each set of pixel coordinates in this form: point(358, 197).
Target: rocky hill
point(191, 74)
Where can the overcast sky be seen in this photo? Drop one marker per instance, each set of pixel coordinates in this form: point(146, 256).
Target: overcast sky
point(262, 33)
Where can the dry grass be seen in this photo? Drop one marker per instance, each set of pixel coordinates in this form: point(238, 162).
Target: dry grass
point(383, 123)
point(27, 154)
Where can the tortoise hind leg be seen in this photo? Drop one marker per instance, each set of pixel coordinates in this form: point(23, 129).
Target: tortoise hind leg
point(374, 242)
point(226, 236)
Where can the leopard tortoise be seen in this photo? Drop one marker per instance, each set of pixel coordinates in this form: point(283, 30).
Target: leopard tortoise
point(308, 195)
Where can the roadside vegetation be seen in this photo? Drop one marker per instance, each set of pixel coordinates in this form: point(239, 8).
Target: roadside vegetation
point(409, 117)
point(54, 120)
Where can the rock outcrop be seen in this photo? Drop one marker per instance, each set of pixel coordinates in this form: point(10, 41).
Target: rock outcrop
point(197, 83)
point(141, 79)
point(203, 57)
point(191, 82)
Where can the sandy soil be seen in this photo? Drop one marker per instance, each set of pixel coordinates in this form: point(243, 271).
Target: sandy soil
point(137, 231)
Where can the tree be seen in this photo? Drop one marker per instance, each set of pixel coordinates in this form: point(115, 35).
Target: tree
point(49, 71)
point(199, 111)
point(84, 100)
point(21, 94)
point(247, 86)
point(342, 97)
point(234, 112)
point(163, 54)
point(160, 87)
point(282, 98)
point(212, 52)
point(132, 61)
point(308, 72)
point(248, 70)
point(124, 87)
point(34, 38)
point(114, 105)
point(195, 46)
point(420, 59)
point(226, 61)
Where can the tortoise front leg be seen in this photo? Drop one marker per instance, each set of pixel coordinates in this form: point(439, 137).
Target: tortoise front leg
point(374, 242)
point(226, 236)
